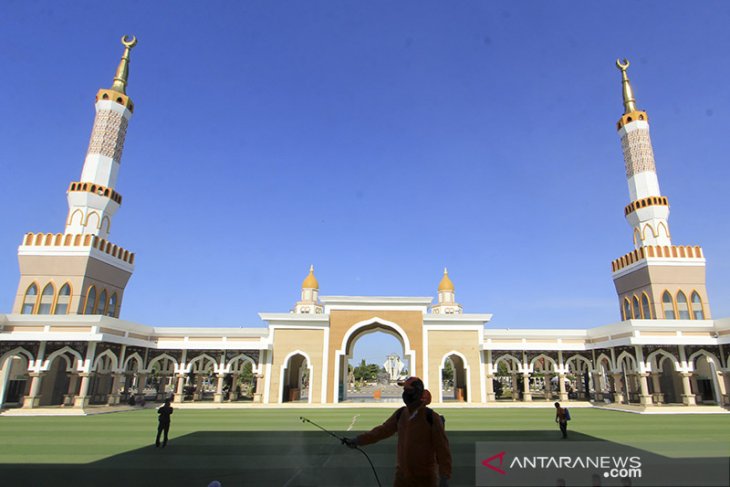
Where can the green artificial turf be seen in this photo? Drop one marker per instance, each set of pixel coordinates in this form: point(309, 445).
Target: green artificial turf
point(273, 447)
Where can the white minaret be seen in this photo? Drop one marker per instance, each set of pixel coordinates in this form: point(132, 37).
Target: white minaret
point(447, 304)
point(649, 210)
point(309, 304)
point(656, 280)
point(92, 201)
point(80, 271)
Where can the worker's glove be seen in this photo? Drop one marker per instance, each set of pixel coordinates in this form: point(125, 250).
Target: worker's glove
point(350, 442)
point(444, 482)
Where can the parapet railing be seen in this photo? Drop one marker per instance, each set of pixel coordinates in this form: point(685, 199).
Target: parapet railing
point(78, 240)
point(657, 251)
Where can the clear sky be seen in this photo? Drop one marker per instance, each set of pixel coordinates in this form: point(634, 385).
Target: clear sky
point(379, 141)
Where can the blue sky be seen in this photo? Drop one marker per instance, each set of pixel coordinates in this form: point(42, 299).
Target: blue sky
point(379, 141)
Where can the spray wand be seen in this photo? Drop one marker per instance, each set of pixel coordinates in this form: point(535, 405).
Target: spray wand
point(344, 442)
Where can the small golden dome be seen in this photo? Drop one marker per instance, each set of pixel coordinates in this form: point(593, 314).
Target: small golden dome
point(310, 282)
point(446, 284)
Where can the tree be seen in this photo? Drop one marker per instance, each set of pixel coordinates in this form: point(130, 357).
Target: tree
point(447, 374)
point(366, 372)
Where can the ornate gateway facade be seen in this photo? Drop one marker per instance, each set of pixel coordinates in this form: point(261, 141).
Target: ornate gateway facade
point(63, 343)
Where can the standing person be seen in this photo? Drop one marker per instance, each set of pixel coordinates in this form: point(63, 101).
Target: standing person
point(423, 454)
point(561, 417)
point(164, 413)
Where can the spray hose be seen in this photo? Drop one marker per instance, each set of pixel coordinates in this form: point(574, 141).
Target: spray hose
point(342, 440)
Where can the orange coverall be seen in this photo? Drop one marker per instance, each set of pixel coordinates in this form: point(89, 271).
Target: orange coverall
point(421, 447)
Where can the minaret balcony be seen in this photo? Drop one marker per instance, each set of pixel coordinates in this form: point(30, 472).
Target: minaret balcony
point(96, 189)
point(644, 202)
point(658, 252)
point(68, 243)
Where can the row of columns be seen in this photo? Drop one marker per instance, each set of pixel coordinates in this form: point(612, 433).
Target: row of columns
point(526, 392)
point(82, 398)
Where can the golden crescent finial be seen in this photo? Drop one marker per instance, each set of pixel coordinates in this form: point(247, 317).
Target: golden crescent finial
point(623, 66)
point(129, 43)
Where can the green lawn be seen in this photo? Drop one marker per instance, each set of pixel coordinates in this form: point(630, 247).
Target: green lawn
point(272, 447)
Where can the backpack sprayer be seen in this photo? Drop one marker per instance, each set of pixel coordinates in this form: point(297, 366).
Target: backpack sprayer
point(344, 442)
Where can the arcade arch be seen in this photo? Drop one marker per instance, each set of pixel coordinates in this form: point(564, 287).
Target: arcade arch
point(704, 377)
point(457, 389)
point(14, 376)
point(507, 367)
point(296, 374)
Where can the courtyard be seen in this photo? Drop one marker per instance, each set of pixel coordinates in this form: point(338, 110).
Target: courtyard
point(272, 447)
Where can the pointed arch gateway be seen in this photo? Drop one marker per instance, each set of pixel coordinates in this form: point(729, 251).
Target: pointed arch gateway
point(346, 347)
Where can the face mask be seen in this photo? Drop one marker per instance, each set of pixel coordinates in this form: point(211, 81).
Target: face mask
point(411, 396)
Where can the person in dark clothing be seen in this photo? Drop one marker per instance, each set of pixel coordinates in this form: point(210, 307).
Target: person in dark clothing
point(164, 414)
point(562, 419)
point(423, 454)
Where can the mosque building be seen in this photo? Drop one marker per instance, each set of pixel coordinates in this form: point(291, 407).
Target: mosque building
point(63, 344)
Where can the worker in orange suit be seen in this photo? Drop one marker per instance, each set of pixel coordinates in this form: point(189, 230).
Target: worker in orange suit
point(424, 457)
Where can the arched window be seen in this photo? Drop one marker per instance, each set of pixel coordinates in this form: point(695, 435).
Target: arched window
point(46, 300)
point(697, 312)
point(682, 306)
point(645, 307)
point(668, 306)
point(90, 304)
point(31, 296)
point(64, 297)
point(112, 311)
point(637, 309)
point(627, 309)
point(101, 308)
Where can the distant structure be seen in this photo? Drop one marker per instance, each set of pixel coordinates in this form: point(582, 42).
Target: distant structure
point(64, 344)
point(393, 366)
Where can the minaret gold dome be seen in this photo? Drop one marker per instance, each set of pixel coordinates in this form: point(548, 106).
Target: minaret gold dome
point(310, 282)
point(446, 284)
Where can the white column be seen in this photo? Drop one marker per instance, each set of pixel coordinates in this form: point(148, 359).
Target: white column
point(618, 389)
point(32, 400)
point(645, 398)
point(82, 400)
point(219, 389)
point(696, 388)
point(73, 382)
point(113, 398)
point(162, 381)
point(180, 393)
point(548, 387)
point(687, 397)
point(141, 384)
point(658, 395)
point(598, 393)
point(490, 377)
point(722, 390)
point(561, 385)
point(198, 382)
point(526, 394)
point(258, 395)
point(234, 388)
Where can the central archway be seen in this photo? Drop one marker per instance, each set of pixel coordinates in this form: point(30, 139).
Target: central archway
point(358, 330)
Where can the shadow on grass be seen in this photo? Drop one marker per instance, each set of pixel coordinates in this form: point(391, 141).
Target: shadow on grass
point(259, 458)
